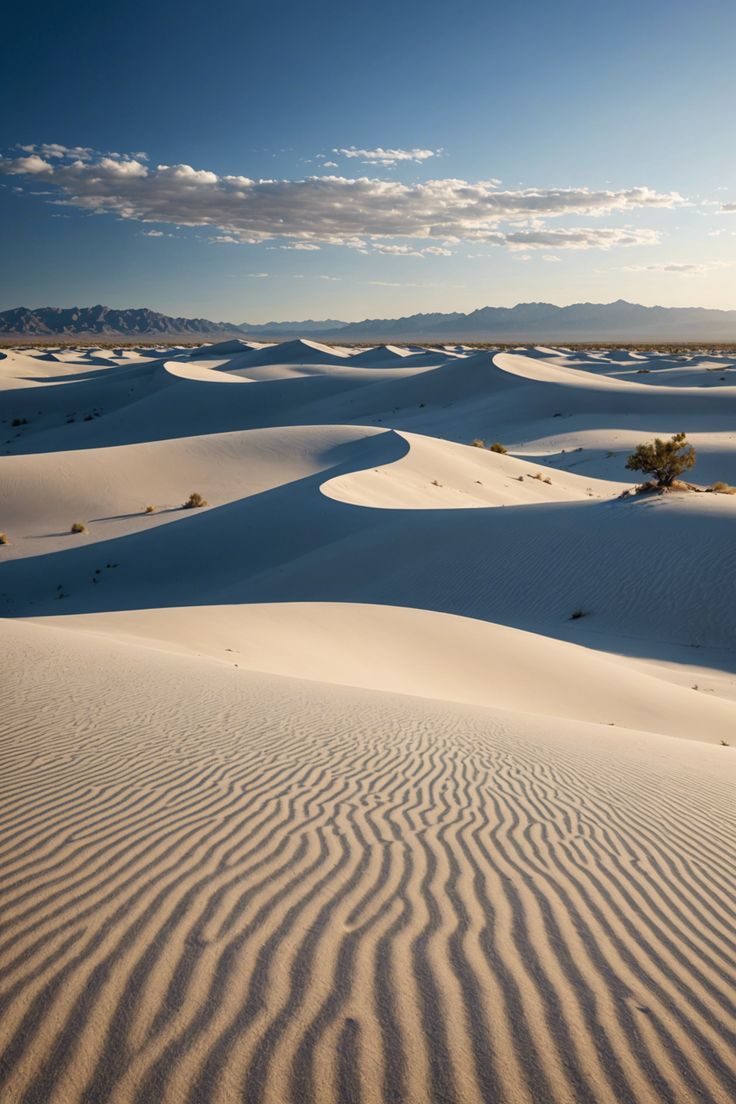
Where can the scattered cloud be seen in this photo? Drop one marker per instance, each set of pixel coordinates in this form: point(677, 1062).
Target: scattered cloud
point(53, 150)
point(728, 208)
point(153, 234)
point(685, 268)
point(382, 156)
point(258, 275)
point(329, 164)
point(408, 251)
point(334, 279)
point(362, 213)
point(304, 246)
point(579, 238)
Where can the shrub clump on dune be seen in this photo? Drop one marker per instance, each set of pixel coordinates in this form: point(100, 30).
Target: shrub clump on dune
point(149, 509)
point(195, 501)
point(498, 447)
point(4, 538)
point(721, 488)
point(665, 460)
point(478, 442)
point(78, 527)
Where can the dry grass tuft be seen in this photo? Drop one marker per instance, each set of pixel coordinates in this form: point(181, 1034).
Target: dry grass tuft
point(78, 527)
point(195, 501)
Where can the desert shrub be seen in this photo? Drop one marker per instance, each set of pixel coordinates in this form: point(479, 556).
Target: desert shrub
point(436, 483)
point(149, 509)
point(194, 501)
point(478, 442)
point(498, 447)
point(722, 488)
point(78, 527)
point(665, 460)
point(19, 422)
point(4, 538)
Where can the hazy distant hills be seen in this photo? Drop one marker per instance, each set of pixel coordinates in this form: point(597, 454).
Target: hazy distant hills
point(131, 322)
point(526, 322)
point(619, 321)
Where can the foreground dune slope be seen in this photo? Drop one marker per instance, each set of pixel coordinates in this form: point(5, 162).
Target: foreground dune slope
point(400, 773)
point(231, 886)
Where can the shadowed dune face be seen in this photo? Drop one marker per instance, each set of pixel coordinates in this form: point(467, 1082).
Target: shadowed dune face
point(394, 773)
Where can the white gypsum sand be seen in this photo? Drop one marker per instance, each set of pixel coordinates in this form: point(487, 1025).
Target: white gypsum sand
point(396, 772)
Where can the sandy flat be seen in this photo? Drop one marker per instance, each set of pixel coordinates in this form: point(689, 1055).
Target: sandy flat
point(401, 771)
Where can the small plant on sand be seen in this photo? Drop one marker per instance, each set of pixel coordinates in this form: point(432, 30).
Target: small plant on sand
point(725, 743)
point(78, 527)
point(149, 509)
point(478, 442)
point(498, 447)
point(4, 538)
point(721, 488)
point(665, 460)
point(194, 501)
point(436, 483)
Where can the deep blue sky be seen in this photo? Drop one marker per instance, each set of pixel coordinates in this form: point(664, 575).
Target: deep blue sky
point(582, 96)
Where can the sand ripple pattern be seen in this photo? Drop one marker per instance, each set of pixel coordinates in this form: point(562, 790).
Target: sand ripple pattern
point(377, 900)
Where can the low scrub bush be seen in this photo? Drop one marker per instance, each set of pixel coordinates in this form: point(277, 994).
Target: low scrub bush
point(78, 527)
point(195, 501)
point(498, 447)
point(478, 442)
point(665, 460)
point(721, 488)
point(4, 538)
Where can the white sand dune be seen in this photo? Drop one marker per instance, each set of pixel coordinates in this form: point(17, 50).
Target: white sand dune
point(397, 772)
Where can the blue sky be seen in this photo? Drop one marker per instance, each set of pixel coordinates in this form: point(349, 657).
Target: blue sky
point(225, 160)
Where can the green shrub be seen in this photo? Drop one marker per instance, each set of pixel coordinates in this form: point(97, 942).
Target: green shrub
point(665, 460)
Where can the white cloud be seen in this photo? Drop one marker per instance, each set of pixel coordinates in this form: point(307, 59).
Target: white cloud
point(685, 268)
point(258, 275)
point(329, 165)
point(579, 238)
point(408, 251)
point(728, 208)
point(53, 150)
point(362, 213)
point(387, 156)
point(304, 246)
point(153, 233)
point(21, 165)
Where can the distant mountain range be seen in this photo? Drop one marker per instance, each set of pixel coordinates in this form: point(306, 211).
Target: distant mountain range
point(526, 322)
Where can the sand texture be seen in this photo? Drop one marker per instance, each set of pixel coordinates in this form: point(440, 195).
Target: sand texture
point(321, 794)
